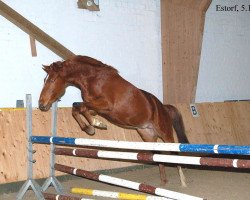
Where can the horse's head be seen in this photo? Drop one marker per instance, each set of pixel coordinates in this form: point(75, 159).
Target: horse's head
point(54, 86)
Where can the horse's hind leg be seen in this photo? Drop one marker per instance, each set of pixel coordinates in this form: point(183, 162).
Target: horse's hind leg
point(150, 135)
point(168, 137)
point(182, 176)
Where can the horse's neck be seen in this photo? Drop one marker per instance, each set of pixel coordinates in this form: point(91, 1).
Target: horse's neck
point(84, 76)
point(79, 78)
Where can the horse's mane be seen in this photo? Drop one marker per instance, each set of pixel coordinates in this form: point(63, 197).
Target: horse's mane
point(92, 61)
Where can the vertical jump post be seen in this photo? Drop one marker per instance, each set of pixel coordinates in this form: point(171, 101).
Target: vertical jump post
point(52, 180)
point(30, 182)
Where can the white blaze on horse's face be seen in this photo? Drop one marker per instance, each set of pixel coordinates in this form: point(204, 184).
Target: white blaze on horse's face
point(54, 87)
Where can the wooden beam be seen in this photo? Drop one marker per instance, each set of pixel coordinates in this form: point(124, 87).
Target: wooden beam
point(182, 32)
point(34, 31)
point(33, 46)
point(204, 5)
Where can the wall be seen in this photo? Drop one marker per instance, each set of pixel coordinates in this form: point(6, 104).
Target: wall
point(182, 30)
point(224, 72)
point(218, 123)
point(124, 34)
point(13, 143)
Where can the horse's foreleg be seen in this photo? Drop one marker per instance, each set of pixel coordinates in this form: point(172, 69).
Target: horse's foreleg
point(97, 123)
point(76, 114)
point(81, 108)
point(97, 104)
point(93, 121)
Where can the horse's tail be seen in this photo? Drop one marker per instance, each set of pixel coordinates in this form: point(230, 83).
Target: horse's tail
point(178, 123)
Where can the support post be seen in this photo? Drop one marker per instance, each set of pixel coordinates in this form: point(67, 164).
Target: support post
point(30, 182)
point(52, 180)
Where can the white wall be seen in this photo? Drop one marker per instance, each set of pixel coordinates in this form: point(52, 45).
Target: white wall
point(124, 34)
point(225, 59)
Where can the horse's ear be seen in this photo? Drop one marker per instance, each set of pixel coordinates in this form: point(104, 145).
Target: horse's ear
point(46, 68)
point(56, 66)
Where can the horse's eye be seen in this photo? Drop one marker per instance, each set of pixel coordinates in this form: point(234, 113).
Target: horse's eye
point(52, 80)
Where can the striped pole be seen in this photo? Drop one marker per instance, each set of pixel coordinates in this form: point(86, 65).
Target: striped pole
point(114, 195)
point(194, 148)
point(49, 196)
point(148, 157)
point(125, 183)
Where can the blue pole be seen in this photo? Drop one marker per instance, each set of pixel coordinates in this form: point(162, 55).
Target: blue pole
point(192, 148)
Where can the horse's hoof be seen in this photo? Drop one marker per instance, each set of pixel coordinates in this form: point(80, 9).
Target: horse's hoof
point(164, 182)
point(103, 126)
point(90, 130)
point(183, 185)
point(93, 113)
point(99, 124)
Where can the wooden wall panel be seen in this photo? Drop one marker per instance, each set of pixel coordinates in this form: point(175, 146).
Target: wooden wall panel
point(221, 123)
point(218, 123)
point(182, 31)
point(11, 142)
point(13, 156)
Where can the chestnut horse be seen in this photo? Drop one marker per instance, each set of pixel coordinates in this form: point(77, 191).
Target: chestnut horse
point(109, 95)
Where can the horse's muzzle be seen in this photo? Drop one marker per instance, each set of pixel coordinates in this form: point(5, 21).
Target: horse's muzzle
point(44, 108)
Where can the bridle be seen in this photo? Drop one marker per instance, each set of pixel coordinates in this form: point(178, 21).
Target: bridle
point(46, 78)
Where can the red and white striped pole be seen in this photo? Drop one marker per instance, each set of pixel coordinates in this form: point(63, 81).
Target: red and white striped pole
point(125, 183)
point(148, 157)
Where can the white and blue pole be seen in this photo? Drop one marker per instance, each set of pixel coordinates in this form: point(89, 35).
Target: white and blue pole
point(149, 146)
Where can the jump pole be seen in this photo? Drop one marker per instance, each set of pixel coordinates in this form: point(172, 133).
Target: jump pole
point(49, 196)
point(149, 146)
point(125, 183)
point(148, 157)
point(114, 195)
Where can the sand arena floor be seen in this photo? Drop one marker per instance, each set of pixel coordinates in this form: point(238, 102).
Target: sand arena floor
point(211, 184)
